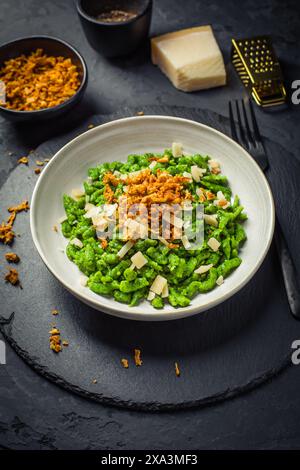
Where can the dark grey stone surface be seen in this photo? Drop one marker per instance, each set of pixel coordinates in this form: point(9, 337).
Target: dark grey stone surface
point(33, 412)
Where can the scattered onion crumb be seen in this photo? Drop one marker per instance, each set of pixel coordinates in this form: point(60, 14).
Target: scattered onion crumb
point(12, 277)
point(177, 370)
point(137, 357)
point(90, 126)
point(46, 160)
point(23, 160)
point(125, 363)
point(55, 342)
point(55, 228)
point(54, 311)
point(24, 206)
point(37, 171)
point(65, 343)
point(39, 163)
point(140, 113)
point(94, 381)
point(12, 257)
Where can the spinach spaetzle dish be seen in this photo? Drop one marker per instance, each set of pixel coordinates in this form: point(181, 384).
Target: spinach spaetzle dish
point(131, 228)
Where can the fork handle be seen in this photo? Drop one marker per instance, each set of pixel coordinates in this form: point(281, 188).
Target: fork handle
point(288, 271)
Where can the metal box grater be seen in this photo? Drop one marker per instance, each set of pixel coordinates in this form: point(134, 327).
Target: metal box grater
point(258, 67)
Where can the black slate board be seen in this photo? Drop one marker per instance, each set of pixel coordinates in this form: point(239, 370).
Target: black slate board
point(226, 351)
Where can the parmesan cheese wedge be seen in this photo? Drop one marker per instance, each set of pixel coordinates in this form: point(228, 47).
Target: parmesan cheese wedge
point(220, 280)
point(191, 58)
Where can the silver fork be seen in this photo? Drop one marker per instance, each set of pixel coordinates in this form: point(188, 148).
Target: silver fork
point(247, 134)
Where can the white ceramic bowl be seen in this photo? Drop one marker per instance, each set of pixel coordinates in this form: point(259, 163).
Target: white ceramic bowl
point(114, 141)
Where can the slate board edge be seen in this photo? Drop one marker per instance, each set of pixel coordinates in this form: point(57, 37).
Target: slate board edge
point(142, 406)
point(188, 113)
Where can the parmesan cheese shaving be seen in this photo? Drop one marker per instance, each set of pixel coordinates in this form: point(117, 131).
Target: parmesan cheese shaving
point(203, 269)
point(185, 242)
point(139, 260)
point(151, 296)
point(165, 291)
point(220, 280)
point(177, 149)
point(77, 193)
point(76, 242)
point(213, 244)
point(125, 248)
point(158, 284)
point(210, 219)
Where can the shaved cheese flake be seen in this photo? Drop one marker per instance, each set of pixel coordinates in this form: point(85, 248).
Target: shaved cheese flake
point(213, 244)
point(77, 193)
point(125, 248)
point(220, 195)
point(123, 176)
point(139, 260)
point(151, 296)
point(62, 219)
point(88, 206)
point(158, 284)
point(220, 280)
point(92, 212)
point(165, 291)
point(203, 269)
point(152, 165)
point(83, 280)
point(76, 242)
point(177, 149)
point(211, 219)
point(100, 223)
point(197, 173)
point(162, 240)
point(185, 242)
point(214, 164)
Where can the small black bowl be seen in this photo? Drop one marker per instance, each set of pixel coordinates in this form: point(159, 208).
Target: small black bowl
point(52, 47)
point(115, 39)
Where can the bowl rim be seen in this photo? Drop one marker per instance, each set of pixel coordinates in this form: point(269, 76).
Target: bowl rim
point(39, 112)
point(115, 308)
point(91, 19)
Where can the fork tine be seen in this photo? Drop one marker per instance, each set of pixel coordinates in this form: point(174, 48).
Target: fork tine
point(254, 124)
point(248, 130)
point(241, 130)
point(232, 123)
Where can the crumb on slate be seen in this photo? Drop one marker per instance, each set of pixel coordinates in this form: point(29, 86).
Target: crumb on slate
point(125, 363)
point(137, 357)
point(23, 160)
point(12, 276)
point(12, 257)
point(177, 370)
point(54, 340)
point(37, 171)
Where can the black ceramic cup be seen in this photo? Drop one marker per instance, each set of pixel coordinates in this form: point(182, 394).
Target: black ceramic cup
point(52, 47)
point(119, 38)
